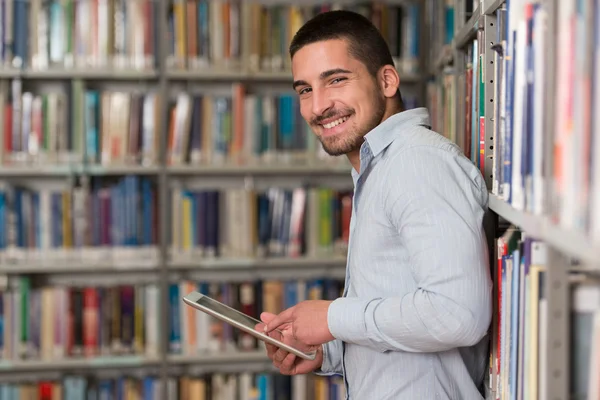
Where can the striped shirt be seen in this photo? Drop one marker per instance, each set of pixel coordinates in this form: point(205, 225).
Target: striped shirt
point(413, 321)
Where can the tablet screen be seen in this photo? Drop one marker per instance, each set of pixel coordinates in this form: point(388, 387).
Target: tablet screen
point(238, 319)
point(229, 312)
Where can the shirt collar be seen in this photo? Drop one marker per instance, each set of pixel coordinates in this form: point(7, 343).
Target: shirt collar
point(384, 134)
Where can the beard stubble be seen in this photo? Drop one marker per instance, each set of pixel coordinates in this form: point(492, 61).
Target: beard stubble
point(353, 137)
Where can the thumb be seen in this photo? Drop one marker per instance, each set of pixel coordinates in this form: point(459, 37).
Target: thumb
point(267, 317)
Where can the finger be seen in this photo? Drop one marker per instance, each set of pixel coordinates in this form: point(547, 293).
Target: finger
point(288, 363)
point(279, 320)
point(280, 355)
point(266, 317)
point(271, 350)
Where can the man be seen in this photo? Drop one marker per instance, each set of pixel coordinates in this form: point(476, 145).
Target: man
point(413, 321)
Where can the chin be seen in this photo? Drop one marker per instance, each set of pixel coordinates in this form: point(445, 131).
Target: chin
point(340, 145)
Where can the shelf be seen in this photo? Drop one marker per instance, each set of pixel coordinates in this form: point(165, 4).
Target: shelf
point(272, 169)
point(100, 170)
point(444, 59)
point(9, 73)
point(220, 74)
point(468, 32)
point(527, 222)
point(91, 73)
point(78, 364)
point(18, 171)
point(229, 74)
point(282, 268)
point(573, 244)
point(220, 358)
point(249, 263)
point(268, 76)
point(490, 6)
point(71, 267)
point(38, 170)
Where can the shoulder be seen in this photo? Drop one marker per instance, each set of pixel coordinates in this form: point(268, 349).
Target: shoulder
point(425, 163)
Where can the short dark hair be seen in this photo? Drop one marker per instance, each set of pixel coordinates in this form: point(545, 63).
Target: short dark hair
point(365, 41)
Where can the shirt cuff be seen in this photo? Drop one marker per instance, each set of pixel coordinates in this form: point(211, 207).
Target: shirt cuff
point(350, 319)
point(328, 366)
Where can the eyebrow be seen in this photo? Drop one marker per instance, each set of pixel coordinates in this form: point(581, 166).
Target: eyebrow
point(324, 75)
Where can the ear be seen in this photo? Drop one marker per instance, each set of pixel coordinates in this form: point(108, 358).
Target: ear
point(389, 80)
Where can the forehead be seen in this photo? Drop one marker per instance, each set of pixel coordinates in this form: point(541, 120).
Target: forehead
point(314, 58)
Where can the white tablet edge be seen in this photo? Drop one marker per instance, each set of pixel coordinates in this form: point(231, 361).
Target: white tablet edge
point(192, 298)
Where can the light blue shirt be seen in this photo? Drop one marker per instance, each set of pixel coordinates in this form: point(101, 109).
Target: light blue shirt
point(417, 303)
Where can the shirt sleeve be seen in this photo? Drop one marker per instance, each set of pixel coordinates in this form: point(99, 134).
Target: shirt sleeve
point(436, 201)
point(332, 359)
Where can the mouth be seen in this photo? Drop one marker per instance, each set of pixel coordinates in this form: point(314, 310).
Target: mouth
point(335, 126)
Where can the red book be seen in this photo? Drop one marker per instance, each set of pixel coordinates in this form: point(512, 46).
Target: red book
point(90, 321)
point(45, 390)
point(8, 114)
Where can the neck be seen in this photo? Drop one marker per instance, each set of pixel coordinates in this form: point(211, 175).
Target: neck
point(354, 156)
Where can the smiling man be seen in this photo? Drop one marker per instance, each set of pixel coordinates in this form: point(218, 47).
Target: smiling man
point(413, 319)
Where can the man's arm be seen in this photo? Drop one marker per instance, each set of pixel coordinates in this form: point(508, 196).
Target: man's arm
point(332, 359)
point(437, 209)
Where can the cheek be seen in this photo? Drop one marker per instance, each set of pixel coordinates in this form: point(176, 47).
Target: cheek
point(305, 110)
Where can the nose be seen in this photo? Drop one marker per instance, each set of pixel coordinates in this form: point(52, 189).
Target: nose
point(321, 102)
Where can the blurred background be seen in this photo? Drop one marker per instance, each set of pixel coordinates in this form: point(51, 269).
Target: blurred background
point(149, 148)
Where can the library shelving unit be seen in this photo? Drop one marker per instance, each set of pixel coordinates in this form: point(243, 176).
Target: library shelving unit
point(515, 85)
point(121, 147)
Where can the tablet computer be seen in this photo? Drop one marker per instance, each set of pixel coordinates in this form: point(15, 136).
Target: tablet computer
point(239, 320)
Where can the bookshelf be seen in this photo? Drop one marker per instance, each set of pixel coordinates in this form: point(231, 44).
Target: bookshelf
point(125, 87)
point(517, 90)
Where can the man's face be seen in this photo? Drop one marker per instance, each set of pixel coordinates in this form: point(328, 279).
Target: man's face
point(339, 99)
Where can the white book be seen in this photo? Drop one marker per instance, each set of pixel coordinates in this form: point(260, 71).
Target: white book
point(520, 95)
point(152, 328)
point(539, 128)
point(184, 322)
point(595, 150)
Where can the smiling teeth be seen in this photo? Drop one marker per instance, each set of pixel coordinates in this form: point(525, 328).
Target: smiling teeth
point(335, 123)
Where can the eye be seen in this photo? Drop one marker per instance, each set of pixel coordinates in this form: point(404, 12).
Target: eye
point(337, 80)
point(303, 91)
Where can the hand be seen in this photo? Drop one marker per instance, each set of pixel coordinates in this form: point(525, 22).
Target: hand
point(288, 363)
point(306, 322)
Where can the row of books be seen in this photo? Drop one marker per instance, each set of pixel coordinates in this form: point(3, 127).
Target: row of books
point(79, 387)
point(116, 220)
point(216, 386)
point(84, 34)
point(108, 127)
point(208, 33)
point(202, 33)
point(518, 363)
point(440, 15)
point(242, 128)
point(442, 92)
point(192, 333)
point(246, 223)
point(81, 125)
point(54, 322)
point(78, 125)
point(473, 82)
point(441, 103)
point(256, 386)
point(95, 222)
point(535, 154)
